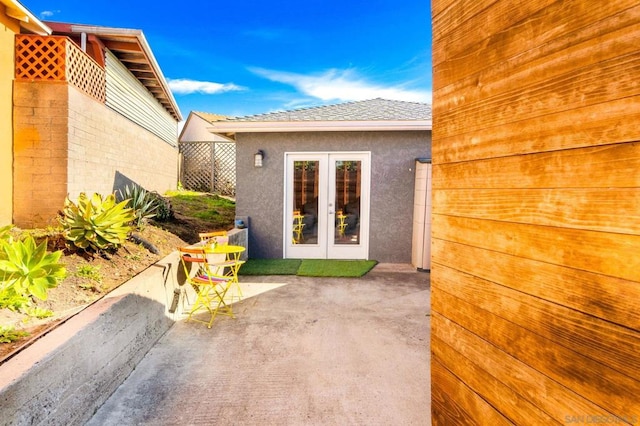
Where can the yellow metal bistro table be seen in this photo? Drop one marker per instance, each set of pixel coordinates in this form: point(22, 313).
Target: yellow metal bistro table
point(212, 271)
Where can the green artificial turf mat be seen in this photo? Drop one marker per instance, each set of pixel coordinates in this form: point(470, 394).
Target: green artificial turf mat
point(307, 267)
point(335, 268)
point(270, 267)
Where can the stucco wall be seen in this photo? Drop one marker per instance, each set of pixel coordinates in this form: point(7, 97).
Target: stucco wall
point(66, 142)
point(8, 28)
point(260, 191)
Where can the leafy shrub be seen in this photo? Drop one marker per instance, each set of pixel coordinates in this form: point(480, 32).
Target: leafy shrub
point(91, 275)
point(27, 269)
point(9, 334)
point(164, 211)
point(96, 224)
point(89, 272)
point(141, 201)
point(39, 313)
point(5, 232)
point(11, 300)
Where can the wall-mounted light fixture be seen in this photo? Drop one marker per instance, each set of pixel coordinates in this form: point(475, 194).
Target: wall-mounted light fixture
point(257, 158)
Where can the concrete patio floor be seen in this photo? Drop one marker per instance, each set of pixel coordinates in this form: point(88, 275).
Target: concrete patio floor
point(301, 351)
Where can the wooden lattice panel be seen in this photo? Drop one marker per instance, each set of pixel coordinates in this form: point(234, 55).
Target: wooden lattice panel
point(40, 57)
point(224, 176)
point(84, 73)
point(56, 58)
point(197, 166)
point(209, 166)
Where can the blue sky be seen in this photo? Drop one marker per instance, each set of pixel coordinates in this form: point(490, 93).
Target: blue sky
point(250, 57)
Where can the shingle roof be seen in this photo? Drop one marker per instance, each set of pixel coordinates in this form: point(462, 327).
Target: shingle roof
point(210, 117)
point(370, 110)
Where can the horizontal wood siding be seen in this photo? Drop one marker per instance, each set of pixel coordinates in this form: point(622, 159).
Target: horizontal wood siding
point(536, 212)
point(126, 95)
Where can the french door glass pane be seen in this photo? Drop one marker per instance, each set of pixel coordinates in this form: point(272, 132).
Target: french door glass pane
point(305, 202)
point(348, 185)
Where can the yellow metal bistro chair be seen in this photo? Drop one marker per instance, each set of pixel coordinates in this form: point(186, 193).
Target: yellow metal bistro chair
point(298, 224)
point(212, 240)
point(217, 237)
point(226, 262)
point(211, 288)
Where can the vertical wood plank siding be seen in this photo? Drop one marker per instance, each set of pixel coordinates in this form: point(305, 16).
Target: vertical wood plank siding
point(127, 96)
point(536, 212)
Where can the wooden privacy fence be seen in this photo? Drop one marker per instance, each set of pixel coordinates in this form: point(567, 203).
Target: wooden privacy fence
point(209, 167)
point(535, 273)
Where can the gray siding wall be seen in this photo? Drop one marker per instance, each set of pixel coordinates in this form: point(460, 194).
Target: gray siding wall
point(260, 191)
point(126, 95)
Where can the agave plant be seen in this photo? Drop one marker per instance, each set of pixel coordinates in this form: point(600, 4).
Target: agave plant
point(96, 224)
point(27, 269)
point(142, 202)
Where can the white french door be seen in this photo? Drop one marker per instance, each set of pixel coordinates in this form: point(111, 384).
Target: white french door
point(327, 205)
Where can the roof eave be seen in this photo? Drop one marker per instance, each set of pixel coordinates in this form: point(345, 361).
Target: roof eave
point(28, 21)
point(231, 127)
point(142, 44)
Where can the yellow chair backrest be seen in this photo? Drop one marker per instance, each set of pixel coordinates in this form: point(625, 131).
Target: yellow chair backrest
point(217, 237)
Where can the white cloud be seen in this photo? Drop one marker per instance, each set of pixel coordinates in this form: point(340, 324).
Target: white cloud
point(343, 85)
point(184, 86)
point(48, 13)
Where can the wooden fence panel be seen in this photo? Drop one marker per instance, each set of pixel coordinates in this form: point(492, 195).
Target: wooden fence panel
point(521, 100)
point(594, 209)
point(575, 371)
point(611, 299)
point(554, 57)
point(561, 325)
point(584, 250)
point(525, 395)
point(589, 126)
point(467, 409)
point(508, 33)
point(607, 166)
point(536, 212)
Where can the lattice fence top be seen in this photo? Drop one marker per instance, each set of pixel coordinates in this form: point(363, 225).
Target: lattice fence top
point(84, 73)
point(57, 58)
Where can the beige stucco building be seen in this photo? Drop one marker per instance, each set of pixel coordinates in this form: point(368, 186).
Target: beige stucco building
point(14, 19)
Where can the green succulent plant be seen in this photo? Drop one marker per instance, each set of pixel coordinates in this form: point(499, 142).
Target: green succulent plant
point(142, 202)
point(5, 232)
point(27, 269)
point(95, 223)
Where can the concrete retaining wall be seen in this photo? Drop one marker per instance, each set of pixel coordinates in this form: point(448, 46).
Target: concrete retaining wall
point(240, 237)
point(70, 372)
point(67, 374)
